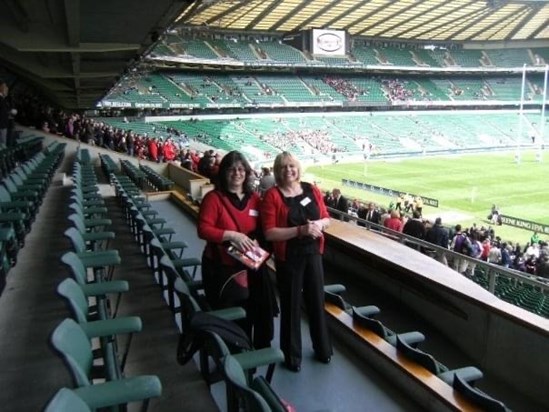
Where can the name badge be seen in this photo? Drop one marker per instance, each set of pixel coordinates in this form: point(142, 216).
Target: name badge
point(254, 212)
point(305, 201)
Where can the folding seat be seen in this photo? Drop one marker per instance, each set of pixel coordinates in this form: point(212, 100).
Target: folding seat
point(8, 204)
point(99, 396)
point(468, 373)
point(167, 277)
point(365, 319)
point(79, 270)
point(96, 200)
point(83, 156)
point(95, 223)
point(22, 182)
point(20, 193)
point(94, 238)
point(89, 212)
point(91, 257)
point(211, 345)
point(96, 318)
point(484, 401)
point(72, 342)
point(16, 221)
point(10, 246)
point(332, 294)
point(256, 396)
point(79, 296)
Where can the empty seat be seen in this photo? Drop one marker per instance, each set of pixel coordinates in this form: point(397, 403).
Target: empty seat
point(475, 395)
point(74, 346)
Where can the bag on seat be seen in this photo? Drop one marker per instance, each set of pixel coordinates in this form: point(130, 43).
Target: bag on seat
point(192, 340)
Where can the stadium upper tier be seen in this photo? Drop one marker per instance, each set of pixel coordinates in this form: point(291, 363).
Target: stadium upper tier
point(236, 51)
point(192, 89)
point(338, 135)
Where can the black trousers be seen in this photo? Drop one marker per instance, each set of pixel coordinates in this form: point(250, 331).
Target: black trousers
point(302, 278)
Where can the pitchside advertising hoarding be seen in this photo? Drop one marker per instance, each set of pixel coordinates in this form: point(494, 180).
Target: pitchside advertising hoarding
point(525, 224)
point(427, 201)
point(329, 42)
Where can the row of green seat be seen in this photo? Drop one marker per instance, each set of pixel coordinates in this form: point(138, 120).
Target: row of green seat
point(184, 296)
point(191, 90)
point(260, 50)
point(24, 147)
point(156, 180)
point(516, 292)
point(21, 194)
point(461, 379)
point(88, 294)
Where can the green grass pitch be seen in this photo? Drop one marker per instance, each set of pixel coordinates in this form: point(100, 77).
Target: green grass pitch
point(466, 186)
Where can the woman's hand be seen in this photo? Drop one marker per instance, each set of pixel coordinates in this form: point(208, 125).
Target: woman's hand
point(241, 241)
point(312, 229)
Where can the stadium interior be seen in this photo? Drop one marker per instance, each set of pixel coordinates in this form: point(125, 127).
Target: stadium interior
point(100, 259)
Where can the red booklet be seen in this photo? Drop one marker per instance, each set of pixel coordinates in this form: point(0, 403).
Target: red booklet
point(253, 258)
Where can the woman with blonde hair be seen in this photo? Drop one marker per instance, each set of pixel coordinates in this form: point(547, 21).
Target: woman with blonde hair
point(294, 217)
point(394, 222)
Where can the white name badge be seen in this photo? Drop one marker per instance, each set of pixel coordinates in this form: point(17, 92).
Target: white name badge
point(254, 212)
point(305, 201)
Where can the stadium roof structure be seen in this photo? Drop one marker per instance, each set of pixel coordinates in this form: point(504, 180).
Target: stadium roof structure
point(74, 50)
point(417, 20)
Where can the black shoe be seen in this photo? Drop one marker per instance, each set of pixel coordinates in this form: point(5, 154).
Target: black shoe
point(324, 359)
point(294, 367)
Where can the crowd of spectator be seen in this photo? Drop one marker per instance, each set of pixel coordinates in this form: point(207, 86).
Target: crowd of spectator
point(396, 90)
point(481, 243)
point(348, 89)
point(308, 141)
point(405, 216)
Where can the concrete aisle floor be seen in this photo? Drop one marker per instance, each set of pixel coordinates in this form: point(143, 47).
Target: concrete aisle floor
point(30, 309)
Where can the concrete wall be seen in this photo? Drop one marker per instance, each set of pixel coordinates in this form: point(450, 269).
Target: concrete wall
point(504, 340)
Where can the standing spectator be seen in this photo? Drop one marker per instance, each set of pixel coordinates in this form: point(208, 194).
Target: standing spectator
point(415, 227)
point(5, 109)
point(384, 214)
point(328, 199)
point(394, 222)
point(372, 214)
point(460, 244)
point(438, 235)
point(418, 205)
point(486, 246)
point(361, 214)
point(399, 201)
point(475, 252)
point(543, 266)
point(505, 255)
point(340, 203)
point(266, 181)
point(153, 149)
point(230, 213)
point(495, 254)
point(294, 218)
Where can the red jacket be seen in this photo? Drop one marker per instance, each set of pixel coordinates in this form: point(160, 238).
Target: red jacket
point(153, 150)
point(393, 223)
point(214, 219)
point(274, 213)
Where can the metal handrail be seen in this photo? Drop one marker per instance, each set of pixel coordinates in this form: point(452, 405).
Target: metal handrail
point(491, 270)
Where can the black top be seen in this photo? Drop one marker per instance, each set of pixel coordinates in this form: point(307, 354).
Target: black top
point(302, 209)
